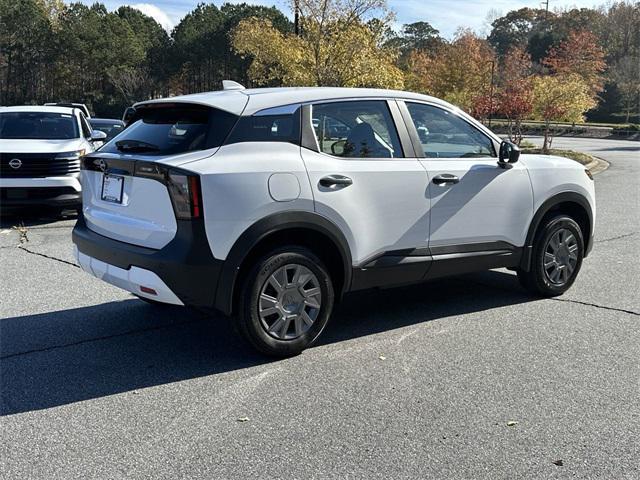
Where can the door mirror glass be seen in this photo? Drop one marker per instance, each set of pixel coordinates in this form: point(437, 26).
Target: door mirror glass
point(509, 152)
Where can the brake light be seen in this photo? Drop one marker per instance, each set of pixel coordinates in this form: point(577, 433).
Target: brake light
point(184, 191)
point(194, 191)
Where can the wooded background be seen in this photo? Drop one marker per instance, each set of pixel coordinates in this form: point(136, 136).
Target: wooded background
point(530, 63)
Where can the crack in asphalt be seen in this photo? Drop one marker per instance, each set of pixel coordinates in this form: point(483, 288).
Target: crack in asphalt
point(48, 256)
point(567, 300)
point(616, 238)
point(97, 339)
point(588, 304)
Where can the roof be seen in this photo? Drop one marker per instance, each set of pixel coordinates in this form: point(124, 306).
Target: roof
point(250, 101)
point(37, 108)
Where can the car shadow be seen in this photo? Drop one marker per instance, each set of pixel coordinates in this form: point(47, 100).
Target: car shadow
point(62, 357)
point(32, 216)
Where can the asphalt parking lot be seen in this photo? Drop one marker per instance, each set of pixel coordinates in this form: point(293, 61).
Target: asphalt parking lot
point(463, 378)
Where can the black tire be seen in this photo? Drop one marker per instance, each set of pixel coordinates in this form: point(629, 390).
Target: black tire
point(538, 280)
point(254, 329)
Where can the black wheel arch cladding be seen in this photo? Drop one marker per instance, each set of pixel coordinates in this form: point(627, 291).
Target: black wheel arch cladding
point(263, 229)
point(568, 203)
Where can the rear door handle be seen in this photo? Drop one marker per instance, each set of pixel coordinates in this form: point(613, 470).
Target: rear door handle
point(331, 180)
point(445, 179)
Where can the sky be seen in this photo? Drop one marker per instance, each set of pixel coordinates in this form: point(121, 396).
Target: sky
point(445, 15)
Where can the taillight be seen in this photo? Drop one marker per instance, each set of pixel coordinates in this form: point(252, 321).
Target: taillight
point(184, 191)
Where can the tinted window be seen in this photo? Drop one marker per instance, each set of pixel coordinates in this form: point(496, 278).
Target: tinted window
point(267, 128)
point(445, 135)
point(110, 128)
point(358, 129)
point(170, 129)
point(38, 126)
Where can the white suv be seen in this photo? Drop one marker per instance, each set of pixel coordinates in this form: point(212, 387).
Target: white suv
point(271, 204)
point(40, 150)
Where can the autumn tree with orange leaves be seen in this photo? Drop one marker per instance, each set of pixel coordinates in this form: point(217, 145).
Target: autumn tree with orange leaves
point(579, 55)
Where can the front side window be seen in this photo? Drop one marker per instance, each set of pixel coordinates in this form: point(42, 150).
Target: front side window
point(173, 129)
point(445, 135)
point(356, 129)
point(38, 126)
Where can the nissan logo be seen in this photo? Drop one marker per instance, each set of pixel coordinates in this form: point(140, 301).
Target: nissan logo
point(15, 163)
point(101, 164)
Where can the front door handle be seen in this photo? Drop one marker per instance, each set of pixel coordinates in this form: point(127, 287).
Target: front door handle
point(335, 180)
point(445, 179)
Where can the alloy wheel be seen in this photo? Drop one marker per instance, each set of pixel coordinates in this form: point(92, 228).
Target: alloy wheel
point(560, 256)
point(290, 301)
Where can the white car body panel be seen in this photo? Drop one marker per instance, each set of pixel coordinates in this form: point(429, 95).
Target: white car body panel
point(144, 218)
point(489, 203)
point(384, 209)
point(235, 188)
point(551, 175)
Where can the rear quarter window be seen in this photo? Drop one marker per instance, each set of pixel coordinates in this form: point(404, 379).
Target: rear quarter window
point(267, 128)
point(173, 129)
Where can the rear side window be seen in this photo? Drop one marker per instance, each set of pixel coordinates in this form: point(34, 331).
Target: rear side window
point(356, 129)
point(170, 129)
point(268, 128)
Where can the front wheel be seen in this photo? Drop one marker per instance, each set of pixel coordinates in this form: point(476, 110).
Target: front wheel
point(558, 251)
point(285, 302)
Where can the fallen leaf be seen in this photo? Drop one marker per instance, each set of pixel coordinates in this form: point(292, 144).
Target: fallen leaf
point(243, 419)
point(511, 423)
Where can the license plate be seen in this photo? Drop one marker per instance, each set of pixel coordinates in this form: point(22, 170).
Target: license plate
point(112, 187)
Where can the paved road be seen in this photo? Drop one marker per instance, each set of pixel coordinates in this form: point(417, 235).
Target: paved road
point(97, 384)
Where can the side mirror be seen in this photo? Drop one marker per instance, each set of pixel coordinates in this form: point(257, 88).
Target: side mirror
point(98, 136)
point(128, 114)
point(509, 153)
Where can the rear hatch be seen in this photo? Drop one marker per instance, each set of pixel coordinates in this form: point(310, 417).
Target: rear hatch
point(133, 190)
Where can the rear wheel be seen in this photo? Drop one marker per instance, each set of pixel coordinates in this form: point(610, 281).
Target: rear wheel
point(558, 250)
point(285, 302)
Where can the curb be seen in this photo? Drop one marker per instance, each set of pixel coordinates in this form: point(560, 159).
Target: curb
point(597, 166)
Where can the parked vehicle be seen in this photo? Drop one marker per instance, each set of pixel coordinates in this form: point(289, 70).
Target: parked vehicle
point(40, 152)
point(271, 204)
point(110, 126)
point(81, 106)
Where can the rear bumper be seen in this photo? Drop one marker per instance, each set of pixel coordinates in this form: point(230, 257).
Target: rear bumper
point(184, 268)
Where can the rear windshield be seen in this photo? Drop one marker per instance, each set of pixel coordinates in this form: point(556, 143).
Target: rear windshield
point(38, 126)
point(169, 129)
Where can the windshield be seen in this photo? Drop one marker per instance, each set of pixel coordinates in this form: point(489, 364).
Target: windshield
point(171, 129)
point(38, 126)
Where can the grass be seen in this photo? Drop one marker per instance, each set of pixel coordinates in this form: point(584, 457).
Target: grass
point(581, 157)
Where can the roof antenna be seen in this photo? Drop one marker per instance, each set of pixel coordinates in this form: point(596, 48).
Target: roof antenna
point(231, 85)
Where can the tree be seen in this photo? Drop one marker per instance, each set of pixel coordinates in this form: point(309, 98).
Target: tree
point(626, 75)
point(335, 48)
point(579, 55)
point(560, 99)
point(515, 100)
point(461, 72)
point(516, 28)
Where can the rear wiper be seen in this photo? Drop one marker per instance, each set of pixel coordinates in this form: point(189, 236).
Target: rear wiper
point(136, 146)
